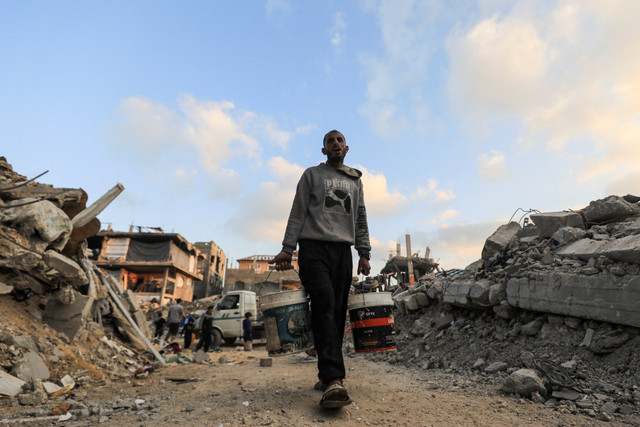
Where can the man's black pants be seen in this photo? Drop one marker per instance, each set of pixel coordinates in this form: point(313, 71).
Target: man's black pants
point(206, 340)
point(326, 271)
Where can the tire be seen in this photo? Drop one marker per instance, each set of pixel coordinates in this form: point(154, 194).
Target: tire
point(230, 341)
point(216, 338)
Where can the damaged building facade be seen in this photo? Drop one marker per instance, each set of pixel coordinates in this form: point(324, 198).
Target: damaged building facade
point(155, 266)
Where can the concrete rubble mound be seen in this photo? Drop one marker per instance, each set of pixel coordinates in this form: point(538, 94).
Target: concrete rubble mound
point(64, 323)
point(556, 297)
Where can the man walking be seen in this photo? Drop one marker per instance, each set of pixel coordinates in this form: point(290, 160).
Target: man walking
point(327, 217)
point(206, 329)
point(176, 313)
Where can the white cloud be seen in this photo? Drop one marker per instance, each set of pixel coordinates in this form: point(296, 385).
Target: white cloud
point(395, 97)
point(570, 76)
point(262, 214)
point(380, 201)
point(492, 168)
point(337, 30)
point(431, 191)
point(210, 133)
point(445, 216)
point(498, 66)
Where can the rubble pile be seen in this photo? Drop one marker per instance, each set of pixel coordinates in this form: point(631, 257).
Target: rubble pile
point(64, 323)
point(550, 311)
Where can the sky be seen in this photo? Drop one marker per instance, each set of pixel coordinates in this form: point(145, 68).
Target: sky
point(461, 115)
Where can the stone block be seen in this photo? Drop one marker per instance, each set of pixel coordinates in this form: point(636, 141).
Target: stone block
point(603, 297)
point(499, 240)
point(444, 321)
point(524, 382)
point(68, 318)
point(456, 292)
point(70, 271)
point(31, 367)
point(42, 223)
point(9, 384)
point(550, 222)
point(416, 301)
point(479, 292)
point(625, 249)
point(497, 292)
point(610, 209)
point(566, 235)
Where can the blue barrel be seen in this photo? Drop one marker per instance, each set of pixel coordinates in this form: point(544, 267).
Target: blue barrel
point(287, 322)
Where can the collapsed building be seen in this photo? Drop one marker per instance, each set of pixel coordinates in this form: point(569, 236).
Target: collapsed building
point(551, 309)
point(45, 267)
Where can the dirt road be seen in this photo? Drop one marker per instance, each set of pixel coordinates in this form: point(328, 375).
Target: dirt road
point(240, 392)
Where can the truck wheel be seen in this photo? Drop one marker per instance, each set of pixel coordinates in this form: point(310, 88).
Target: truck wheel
point(230, 341)
point(216, 338)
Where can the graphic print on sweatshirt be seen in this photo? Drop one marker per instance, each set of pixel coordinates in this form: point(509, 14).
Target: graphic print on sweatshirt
point(337, 196)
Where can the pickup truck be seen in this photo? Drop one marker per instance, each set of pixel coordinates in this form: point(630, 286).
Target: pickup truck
point(228, 315)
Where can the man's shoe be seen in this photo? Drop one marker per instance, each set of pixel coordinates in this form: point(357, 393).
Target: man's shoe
point(320, 386)
point(335, 396)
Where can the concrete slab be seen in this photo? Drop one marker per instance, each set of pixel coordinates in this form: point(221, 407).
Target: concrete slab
point(550, 222)
point(68, 318)
point(70, 271)
point(625, 249)
point(456, 293)
point(602, 297)
point(610, 209)
point(31, 367)
point(500, 239)
point(10, 385)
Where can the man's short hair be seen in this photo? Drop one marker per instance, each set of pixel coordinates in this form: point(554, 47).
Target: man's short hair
point(179, 300)
point(324, 140)
point(210, 307)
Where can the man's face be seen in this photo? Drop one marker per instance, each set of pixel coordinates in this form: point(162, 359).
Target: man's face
point(335, 147)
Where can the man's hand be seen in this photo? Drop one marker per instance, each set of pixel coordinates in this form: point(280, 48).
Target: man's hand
point(282, 261)
point(363, 266)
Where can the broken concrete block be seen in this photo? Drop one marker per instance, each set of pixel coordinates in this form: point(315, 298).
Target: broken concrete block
point(602, 297)
point(524, 382)
point(435, 290)
point(565, 394)
point(25, 342)
point(499, 240)
point(625, 249)
point(532, 328)
point(31, 367)
point(567, 235)
point(9, 384)
point(444, 321)
point(16, 251)
point(416, 301)
point(42, 223)
point(70, 271)
point(479, 292)
point(497, 292)
point(610, 209)
point(68, 318)
point(550, 222)
point(456, 292)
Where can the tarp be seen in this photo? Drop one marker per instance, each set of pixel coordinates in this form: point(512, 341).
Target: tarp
point(143, 251)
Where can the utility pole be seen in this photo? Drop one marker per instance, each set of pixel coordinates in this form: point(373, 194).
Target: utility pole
point(409, 260)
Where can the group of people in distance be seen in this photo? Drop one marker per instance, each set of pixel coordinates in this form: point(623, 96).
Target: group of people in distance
point(176, 319)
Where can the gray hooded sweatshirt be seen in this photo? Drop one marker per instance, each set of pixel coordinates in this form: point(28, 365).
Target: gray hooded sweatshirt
point(329, 206)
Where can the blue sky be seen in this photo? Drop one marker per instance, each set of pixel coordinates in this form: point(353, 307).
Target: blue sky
point(458, 113)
